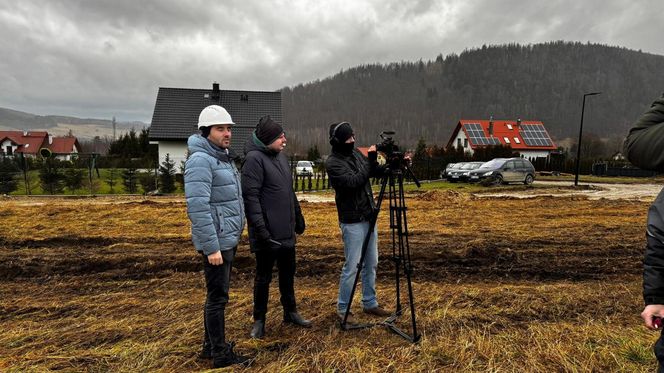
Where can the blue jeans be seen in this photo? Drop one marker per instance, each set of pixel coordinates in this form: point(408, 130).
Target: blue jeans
point(353, 236)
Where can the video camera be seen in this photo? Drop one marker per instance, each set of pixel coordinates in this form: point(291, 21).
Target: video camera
point(393, 157)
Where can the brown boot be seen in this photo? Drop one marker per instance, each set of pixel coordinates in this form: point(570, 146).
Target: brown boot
point(349, 321)
point(377, 311)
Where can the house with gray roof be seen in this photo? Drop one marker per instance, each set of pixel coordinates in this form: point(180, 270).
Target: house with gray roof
point(176, 112)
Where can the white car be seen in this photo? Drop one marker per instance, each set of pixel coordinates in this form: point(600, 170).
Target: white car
point(304, 168)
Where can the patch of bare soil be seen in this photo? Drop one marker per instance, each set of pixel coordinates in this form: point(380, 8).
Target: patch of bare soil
point(453, 236)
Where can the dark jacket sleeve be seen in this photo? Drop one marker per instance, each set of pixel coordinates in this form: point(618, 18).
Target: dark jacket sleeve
point(653, 262)
point(252, 181)
point(644, 145)
point(343, 176)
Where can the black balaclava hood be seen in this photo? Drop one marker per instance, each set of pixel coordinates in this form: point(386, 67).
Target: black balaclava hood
point(339, 136)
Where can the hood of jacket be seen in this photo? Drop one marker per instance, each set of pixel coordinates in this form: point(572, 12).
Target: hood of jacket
point(198, 143)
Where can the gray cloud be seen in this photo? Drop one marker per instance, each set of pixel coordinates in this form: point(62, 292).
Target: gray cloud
point(108, 58)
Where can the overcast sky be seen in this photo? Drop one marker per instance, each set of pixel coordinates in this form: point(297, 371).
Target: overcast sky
point(101, 59)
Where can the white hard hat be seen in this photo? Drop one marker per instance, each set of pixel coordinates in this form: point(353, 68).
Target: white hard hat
point(214, 115)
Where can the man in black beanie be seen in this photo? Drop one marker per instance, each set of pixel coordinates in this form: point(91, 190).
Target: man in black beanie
point(274, 218)
point(349, 172)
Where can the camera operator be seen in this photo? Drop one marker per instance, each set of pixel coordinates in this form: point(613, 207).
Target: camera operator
point(349, 172)
point(644, 148)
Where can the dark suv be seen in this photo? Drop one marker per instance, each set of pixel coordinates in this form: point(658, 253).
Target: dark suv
point(504, 171)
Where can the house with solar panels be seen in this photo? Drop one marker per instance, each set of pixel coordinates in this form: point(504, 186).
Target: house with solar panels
point(176, 111)
point(529, 137)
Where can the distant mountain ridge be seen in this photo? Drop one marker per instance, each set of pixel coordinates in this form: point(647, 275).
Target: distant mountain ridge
point(425, 99)
point(82, 128)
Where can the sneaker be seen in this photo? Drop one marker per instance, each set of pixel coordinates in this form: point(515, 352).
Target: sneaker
point(228, 357)
point(376, 311)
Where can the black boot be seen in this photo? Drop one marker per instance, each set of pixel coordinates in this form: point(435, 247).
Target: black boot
point(297, 319)
point(206, 351)
point(228, 357)
point(258, 330)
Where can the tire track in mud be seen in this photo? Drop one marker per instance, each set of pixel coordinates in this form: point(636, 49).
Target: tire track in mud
point(450, 260)
point(115, 259)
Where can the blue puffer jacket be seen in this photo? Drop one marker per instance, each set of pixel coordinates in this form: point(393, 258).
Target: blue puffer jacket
point(214, 197)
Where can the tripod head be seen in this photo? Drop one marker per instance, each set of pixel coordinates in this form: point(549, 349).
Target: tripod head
point(395, 160)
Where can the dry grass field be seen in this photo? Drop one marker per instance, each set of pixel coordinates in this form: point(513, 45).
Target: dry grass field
point(549, 284)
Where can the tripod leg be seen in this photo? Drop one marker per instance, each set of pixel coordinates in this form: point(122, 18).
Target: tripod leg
point(394, 226)
point(405, 254)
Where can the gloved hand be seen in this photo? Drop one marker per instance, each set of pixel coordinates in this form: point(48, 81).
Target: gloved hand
point(299, 224)
point(262, 234)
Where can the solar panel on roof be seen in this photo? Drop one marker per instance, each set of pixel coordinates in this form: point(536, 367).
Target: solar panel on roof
point(477, 137)
point(535, 135)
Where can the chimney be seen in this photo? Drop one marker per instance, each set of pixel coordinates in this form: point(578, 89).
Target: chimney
point(50, 139)
point(25, 133)
point(518, 123)
point(491, 126)
point(216, 93)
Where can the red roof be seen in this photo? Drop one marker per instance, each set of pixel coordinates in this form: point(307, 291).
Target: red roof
point(364, 150)
point(28, 142)
point(64, 145)
point(31, 142)
point(521, 135)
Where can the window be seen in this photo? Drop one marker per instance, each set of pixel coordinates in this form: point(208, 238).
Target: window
point(516, 140)
point(465, 143)
point(458, 143)
point(507, 140)
point(9, 150)
point(509, 126)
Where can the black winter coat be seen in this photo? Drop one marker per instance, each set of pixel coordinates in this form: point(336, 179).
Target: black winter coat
point(272, 210)
point(349, 176)
point(644, 147)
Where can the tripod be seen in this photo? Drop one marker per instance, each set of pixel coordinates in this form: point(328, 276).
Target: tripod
point(393, 176)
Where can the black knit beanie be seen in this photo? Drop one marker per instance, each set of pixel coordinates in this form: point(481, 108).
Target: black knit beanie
point(342, 133)
point(268, 130)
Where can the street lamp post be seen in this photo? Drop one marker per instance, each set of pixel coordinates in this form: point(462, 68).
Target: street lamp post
point(578, 145)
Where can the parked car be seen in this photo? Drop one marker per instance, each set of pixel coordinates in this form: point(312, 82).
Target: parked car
point(504, 171)
point(463, 172)
point(448, 168)
point(304, 168)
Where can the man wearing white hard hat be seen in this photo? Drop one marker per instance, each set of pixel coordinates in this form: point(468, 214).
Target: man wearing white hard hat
point(215, 208)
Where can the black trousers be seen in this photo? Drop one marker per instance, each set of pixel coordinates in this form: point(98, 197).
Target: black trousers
point(265, 259)
point(217, 281)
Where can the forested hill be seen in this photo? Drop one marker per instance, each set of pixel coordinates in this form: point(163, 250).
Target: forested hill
point(533, 82)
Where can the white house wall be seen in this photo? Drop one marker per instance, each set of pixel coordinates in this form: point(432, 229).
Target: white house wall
point(7, 143)
point(176, 150)
point(534, 153)
point(464, 141)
